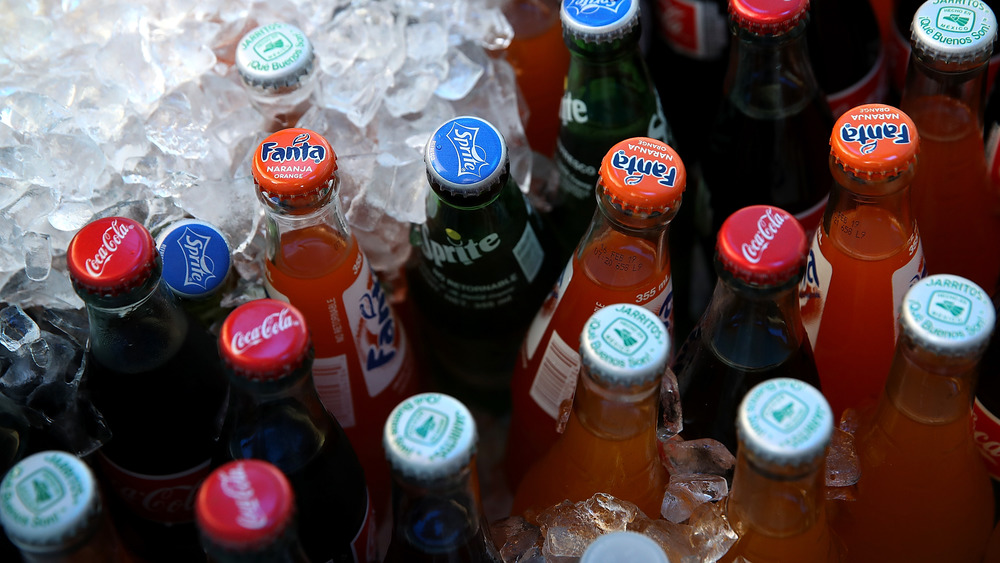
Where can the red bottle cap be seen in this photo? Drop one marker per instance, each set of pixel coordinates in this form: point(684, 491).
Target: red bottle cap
point(874, 140)
point(643, 175)
point(111, 256)
point(768, 17)
point(244, 504)
point(264, 339)
point(294, 167)
point(762, 245)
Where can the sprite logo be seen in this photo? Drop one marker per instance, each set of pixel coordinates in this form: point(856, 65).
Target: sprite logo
point(949, 307)
point(455, 250)
point(471, 156)
point(589, 7)
point(199, 269)
point(40, 490)
point(426, 426)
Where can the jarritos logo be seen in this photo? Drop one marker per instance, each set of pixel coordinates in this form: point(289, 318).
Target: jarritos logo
point(471, 157)
point(199, 268)
point(270, 327)
point(870, 126)
point(768, 226)
point(111, 240)
point(591, 7)
point(641, 160)
point(298, 159)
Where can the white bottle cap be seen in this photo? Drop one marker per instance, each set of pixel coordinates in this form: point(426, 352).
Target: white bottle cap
point(954, 31)
point(784, 421)
point(274, 55)
point(624, 344)
point(429, 436)
point(624, 547)
point(948, 315)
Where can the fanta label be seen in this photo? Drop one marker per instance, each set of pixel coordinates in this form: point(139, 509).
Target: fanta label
point(904, 278)
point(814, 287)
point(875, 138)
point(161, 498)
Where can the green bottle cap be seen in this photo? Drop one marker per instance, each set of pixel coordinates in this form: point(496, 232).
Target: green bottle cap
point(784, 421)
point(955, 31)
point(624, 547)
point(429, 436)
point(948, 315)
point(624, 345)
point(274, 55)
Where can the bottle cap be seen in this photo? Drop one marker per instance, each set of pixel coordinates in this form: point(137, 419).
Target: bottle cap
point(762, 245)
point(599, 21)
point(244, 504)
point(784, 421)
point(429, 436)
point(274, 55)
point(875, 141)
point(948, 315)
point(264, 339)
point(624, 547)
point(643, 175)
point(624, 345)
point(50, 500)
point(466, 160)
point(955, 32)
point(294, 168)
point(768, 17)
point(196, 257)
point(111, 256)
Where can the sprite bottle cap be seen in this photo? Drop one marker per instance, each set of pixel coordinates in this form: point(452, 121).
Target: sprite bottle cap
point(274, 55)
point(264, 339)
point(599, 21)
point(429, 436)
point(111, 256)
point(948, 315)
point(762, 245)
point(466, 161)
point(954, 31)
point(643, 175)
point(875, 141)
point(785, 422)
point(196, 257)
point(244, 505)
point(768, 17)
point(294, 169)
point(624, 345)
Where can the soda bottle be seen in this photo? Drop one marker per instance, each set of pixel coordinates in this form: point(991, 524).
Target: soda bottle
point(275, 415)
point(623, 257)
point(623, 546)
point(197, 265)
point(777, 503)
point(986, 409)
point(430, 440)
point(482, 258)
point(865, 256)
point(752, 330)
point(276, 65)
point(246, 512)
point(364, 361)
point(609, 96)
point(153, 373)
point(952, 198)
point(924, 494)
point(610, 442)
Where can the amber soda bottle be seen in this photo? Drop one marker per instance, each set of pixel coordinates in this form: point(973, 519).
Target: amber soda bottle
point(276, 65)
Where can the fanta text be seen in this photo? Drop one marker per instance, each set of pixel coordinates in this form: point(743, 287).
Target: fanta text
point(110, 240)
point(637, 168)
point(767, 228)
point(298, 150)
point(868, 136)
point(272, 325)
point(374, 308)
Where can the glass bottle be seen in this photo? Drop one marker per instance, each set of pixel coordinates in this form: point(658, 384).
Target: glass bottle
point(430, 440)
point(623, 546)
point(622, 258)
point(197, 265)
point(986, 409)
point(275, 415)
point(752, 330)
point(924, 493)
point(865, 256)
point(276, 65)
point(609, 444)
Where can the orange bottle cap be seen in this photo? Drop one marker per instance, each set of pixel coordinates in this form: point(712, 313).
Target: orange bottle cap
point(768, 17)
point(643, 175)
point(875, 140)
point(293, 164)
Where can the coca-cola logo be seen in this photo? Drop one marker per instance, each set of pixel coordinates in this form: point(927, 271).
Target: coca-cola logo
point(767, 229)
point(110, 241)
point(235, 484)
point(299, 150)
point(270, 326)
point(471, 156)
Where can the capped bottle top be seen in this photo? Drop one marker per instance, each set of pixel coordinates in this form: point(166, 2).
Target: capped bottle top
point(624, 547)
point(50, 500)
point(466, 160)
point(599, 21)
point(196, 257)
point(643, 175)
point(110, 256)
point(274, 55)
point(294, 168)
point(875, 140)
point(948, 315)
point(768, 17)
point(955, 31)
point(244, 505)
point(785, 422)
point(429, 436)
point(264, 339)
point(624, 345)
point(762, 245)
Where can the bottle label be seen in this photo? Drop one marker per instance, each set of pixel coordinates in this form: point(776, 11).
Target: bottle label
point(872, 88)
point(555, 382)
point(993, 152)
point(986, 430)
point(167, 499)
point(364, 546)
point(694, 28)
point(332, 379)
point(904, 278)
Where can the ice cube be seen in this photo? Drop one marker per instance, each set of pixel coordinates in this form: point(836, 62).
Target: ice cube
point(517, 539)
point(703, 455)
point(671, 419)
point(37, 256)
point(17, 329)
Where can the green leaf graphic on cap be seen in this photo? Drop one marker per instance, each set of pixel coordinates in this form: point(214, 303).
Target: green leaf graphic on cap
point(626, 336)
point(780, 414)
point(951, 307)
point(958, 20)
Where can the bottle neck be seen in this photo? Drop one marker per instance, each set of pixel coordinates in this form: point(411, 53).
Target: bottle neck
point(774, 500)
point(591, 51)
point(965, 83)
point(252, 398)
point(285, 549)
point(611, 218)
point(320, 215)
point(770, 76)
point(615, 413)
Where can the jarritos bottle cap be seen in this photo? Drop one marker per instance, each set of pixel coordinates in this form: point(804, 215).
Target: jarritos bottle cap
point(273, 56)
point(948, 315)
point(466, 161)
point(111, 256)
point(768, 17)
point(244, 505)
point(875, 141)
point(429, 436)
point(954, 31)
point(624, 546)
point(196, 258)
point(599, 21)
point(264, 339)
point(624, 345)
point(294, 169)
point(762, 245)
point(785, 422)
point(644, 176)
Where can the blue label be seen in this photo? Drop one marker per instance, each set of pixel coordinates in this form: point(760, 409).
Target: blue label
point(466, 150)
point(597, 13)
point(196, 259)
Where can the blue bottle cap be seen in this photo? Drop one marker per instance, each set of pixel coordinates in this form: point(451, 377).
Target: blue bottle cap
point(196, 258)
point(596, 21)
point(465, 157)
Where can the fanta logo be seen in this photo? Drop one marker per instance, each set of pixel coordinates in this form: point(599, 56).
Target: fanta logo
point(235, 484)
point(869, 135)
point(298, 150)
point(271, 326)
point(110, 241)
point(637, 168)
point(767, 228)
point(471, 157)
point(456, 251)
point(581, 7)
point(375, 310)
point(199, 268)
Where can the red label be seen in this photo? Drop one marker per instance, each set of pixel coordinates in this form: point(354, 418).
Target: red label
point(364, 544)
point(693, 28)
point(162, 498)
point(986, 430)
point(872, 88)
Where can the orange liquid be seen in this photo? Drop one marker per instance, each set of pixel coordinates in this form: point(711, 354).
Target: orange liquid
point(815, 544)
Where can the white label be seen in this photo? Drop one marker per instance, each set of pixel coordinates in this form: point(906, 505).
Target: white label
point(557, 375)
point(333, 385)
point(813, 288)
point(904, 278)
point(540, 324)
point(529, 254)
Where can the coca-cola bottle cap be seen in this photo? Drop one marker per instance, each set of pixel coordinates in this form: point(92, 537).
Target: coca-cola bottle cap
point(768, 17)
point(244, 505)
point(624, 546)
point(111, 256)
point(599, 21)
point(762, 245)
point(643, 175)
point(624, 345)
point(948, 315)
point(275, 55)
point(196, 257)
point(264, 339)
point(466, 160)
point(875, 141)
point(954, 31)
point(294, 169)
point(429, 436)
point(785, 422)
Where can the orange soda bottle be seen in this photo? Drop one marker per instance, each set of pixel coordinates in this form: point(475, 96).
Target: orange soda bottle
point(609, 445)
point(864, 256)
point(622, 258)
point(924, 493)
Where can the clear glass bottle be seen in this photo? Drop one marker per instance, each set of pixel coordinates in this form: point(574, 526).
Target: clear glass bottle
point(276, 65)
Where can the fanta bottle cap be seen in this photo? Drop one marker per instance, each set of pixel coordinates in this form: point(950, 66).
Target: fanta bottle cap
point(429, 436)
point(111, 256)
point(599, 21)
point(948, 315)
point(244, 505)
point(196, 257)
point(784, 421)
point(875, 141)
point(466, 161)
point(49, 499)
point(954, 31)
point(294, 169)
point(762, 245)
point(264, 339)
point(274, 55)
point(768, 17)
point(643, 175)
point(624, 345)
point(624, 547)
